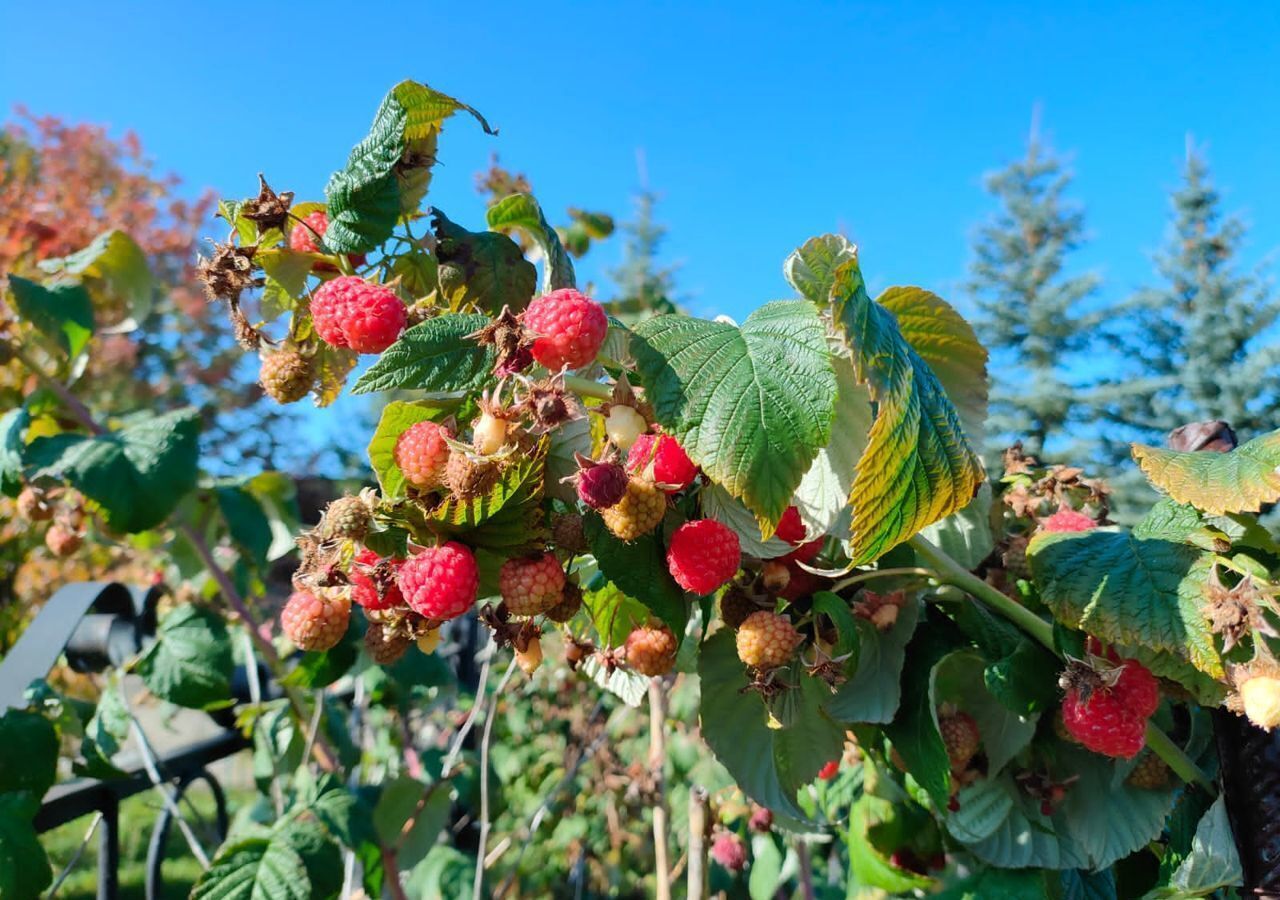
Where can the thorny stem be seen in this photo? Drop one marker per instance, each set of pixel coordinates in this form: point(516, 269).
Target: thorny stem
point(951, 572)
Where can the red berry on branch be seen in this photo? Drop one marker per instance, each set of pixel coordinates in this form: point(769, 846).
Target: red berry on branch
point(570, 329)
point(729, 851)
point(351, 312)
point(440, 582)
point(531, 586)
point(790, 527)
point(315, 622)
point(373, 581)
point(703, 555)
point(422, 453)
point(671, 466)
point(651, 650)
point(830, 770)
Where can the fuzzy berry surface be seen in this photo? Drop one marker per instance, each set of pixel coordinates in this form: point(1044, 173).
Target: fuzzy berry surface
point(766, 640)
point(1067, 519)
point(651, 650)
point(347, 517)
point(1150, 774)
point(440, 582)
point(302, 238)
point(570, 329)
point(672, 467)
point(729, 851)
point(313, 622)
point(601, 486)
point(638, 512)
point(531, 586)
point(1260, 696)
point(790, 528)
point(385, 646)
point(761, 819)
point(961, 736)
point(351, 312)
point(286, 376)
point(703, 555)
point(1112, 720)
point(422, 454)
point(373, 581)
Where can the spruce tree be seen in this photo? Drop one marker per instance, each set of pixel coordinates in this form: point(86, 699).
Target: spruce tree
point(644, 287)
point(1029, 308)
point(1200, 343)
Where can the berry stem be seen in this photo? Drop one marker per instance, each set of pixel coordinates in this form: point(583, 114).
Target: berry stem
point(881, 573)
point(951, 572)
point(585, 387)
point(77, 409)
point(657, 766)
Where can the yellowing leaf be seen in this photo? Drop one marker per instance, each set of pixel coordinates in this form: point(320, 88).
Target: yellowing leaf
point(1217, 483)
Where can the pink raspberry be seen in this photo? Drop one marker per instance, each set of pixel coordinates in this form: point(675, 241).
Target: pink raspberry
point(531, 586)
point(1067, 519)
point(315, 622)
point(729, 851)
point(351, 312)
point(373, 581)
point(672, 467)
point(571, 328)
point(440, 582)
point(422, 454)
point(790, 528)
point(302, 237)
point(703, 555)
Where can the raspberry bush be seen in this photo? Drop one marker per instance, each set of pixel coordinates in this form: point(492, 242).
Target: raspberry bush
point(938, 679)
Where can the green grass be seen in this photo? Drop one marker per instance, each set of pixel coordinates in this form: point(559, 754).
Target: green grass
point(137, 820)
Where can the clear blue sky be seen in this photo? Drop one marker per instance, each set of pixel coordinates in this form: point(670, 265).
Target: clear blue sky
point(762, 123)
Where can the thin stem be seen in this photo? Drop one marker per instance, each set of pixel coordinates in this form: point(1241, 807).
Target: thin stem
point(485, 825)
point(70, 400)
point(951, 572)
point(880, 573)
point(657, 770)
point(1183, 766)
point(162, 788)
point(585, 387)
point(806, 870)
point(698, 815)
point(75, 857)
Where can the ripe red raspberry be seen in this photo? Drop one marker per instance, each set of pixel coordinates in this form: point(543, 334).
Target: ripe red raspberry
point(766, 640)
point(302, 237)
point(729, 851)
point(423, 455)
point(1138, 689)
point(671, 466)
point(962, 738)
point(761, 819)
point(570, 326)
point(704, 554)
point(651, 650)
point(315, 622)
point(830, 770)
point(638, 512)
point(790, 528)
point(1067, 519)
point(600, 485)
point(1108, 713)
point(351, 312)
point(531, 585)
point(440, 582)
point(373, 581)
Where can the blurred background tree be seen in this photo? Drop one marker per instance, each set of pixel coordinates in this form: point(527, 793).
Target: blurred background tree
point(1030, 311)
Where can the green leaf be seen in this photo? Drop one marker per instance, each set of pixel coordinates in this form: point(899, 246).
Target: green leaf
point(523, 212)
point(1127, 590)
point(137, 475)
point(867, 864)
point(950, 347)
point(998, 884)
point(62, 312)
point(28, 753)
point(640, 570)
point(960, 680)
point(873, 691)
point(114, 270)
point(397, 417)
point(13, 427)
point(24, 867)
point(104, 735)
point(285, 274)
point(914, 730)
point(1214, 861)
point(418, 272)
point(717, 503)
point(445, 872)
point(823, 494)
point(1242, 480)
point(319, 669)
point(429, 807)
point(836, 608)
point(484, 270)
point(917, 467)
point(766, 867)
point(277, 743)
point(388, 171)
point(752, 405)
point(613, 614)
point(433, 356)
point(190, 663)
point(1078, 884)
point(808, 738)
point(734, 726)
point(965, 535)
point(246, 521)
point(508, 518)
point(292, 861)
